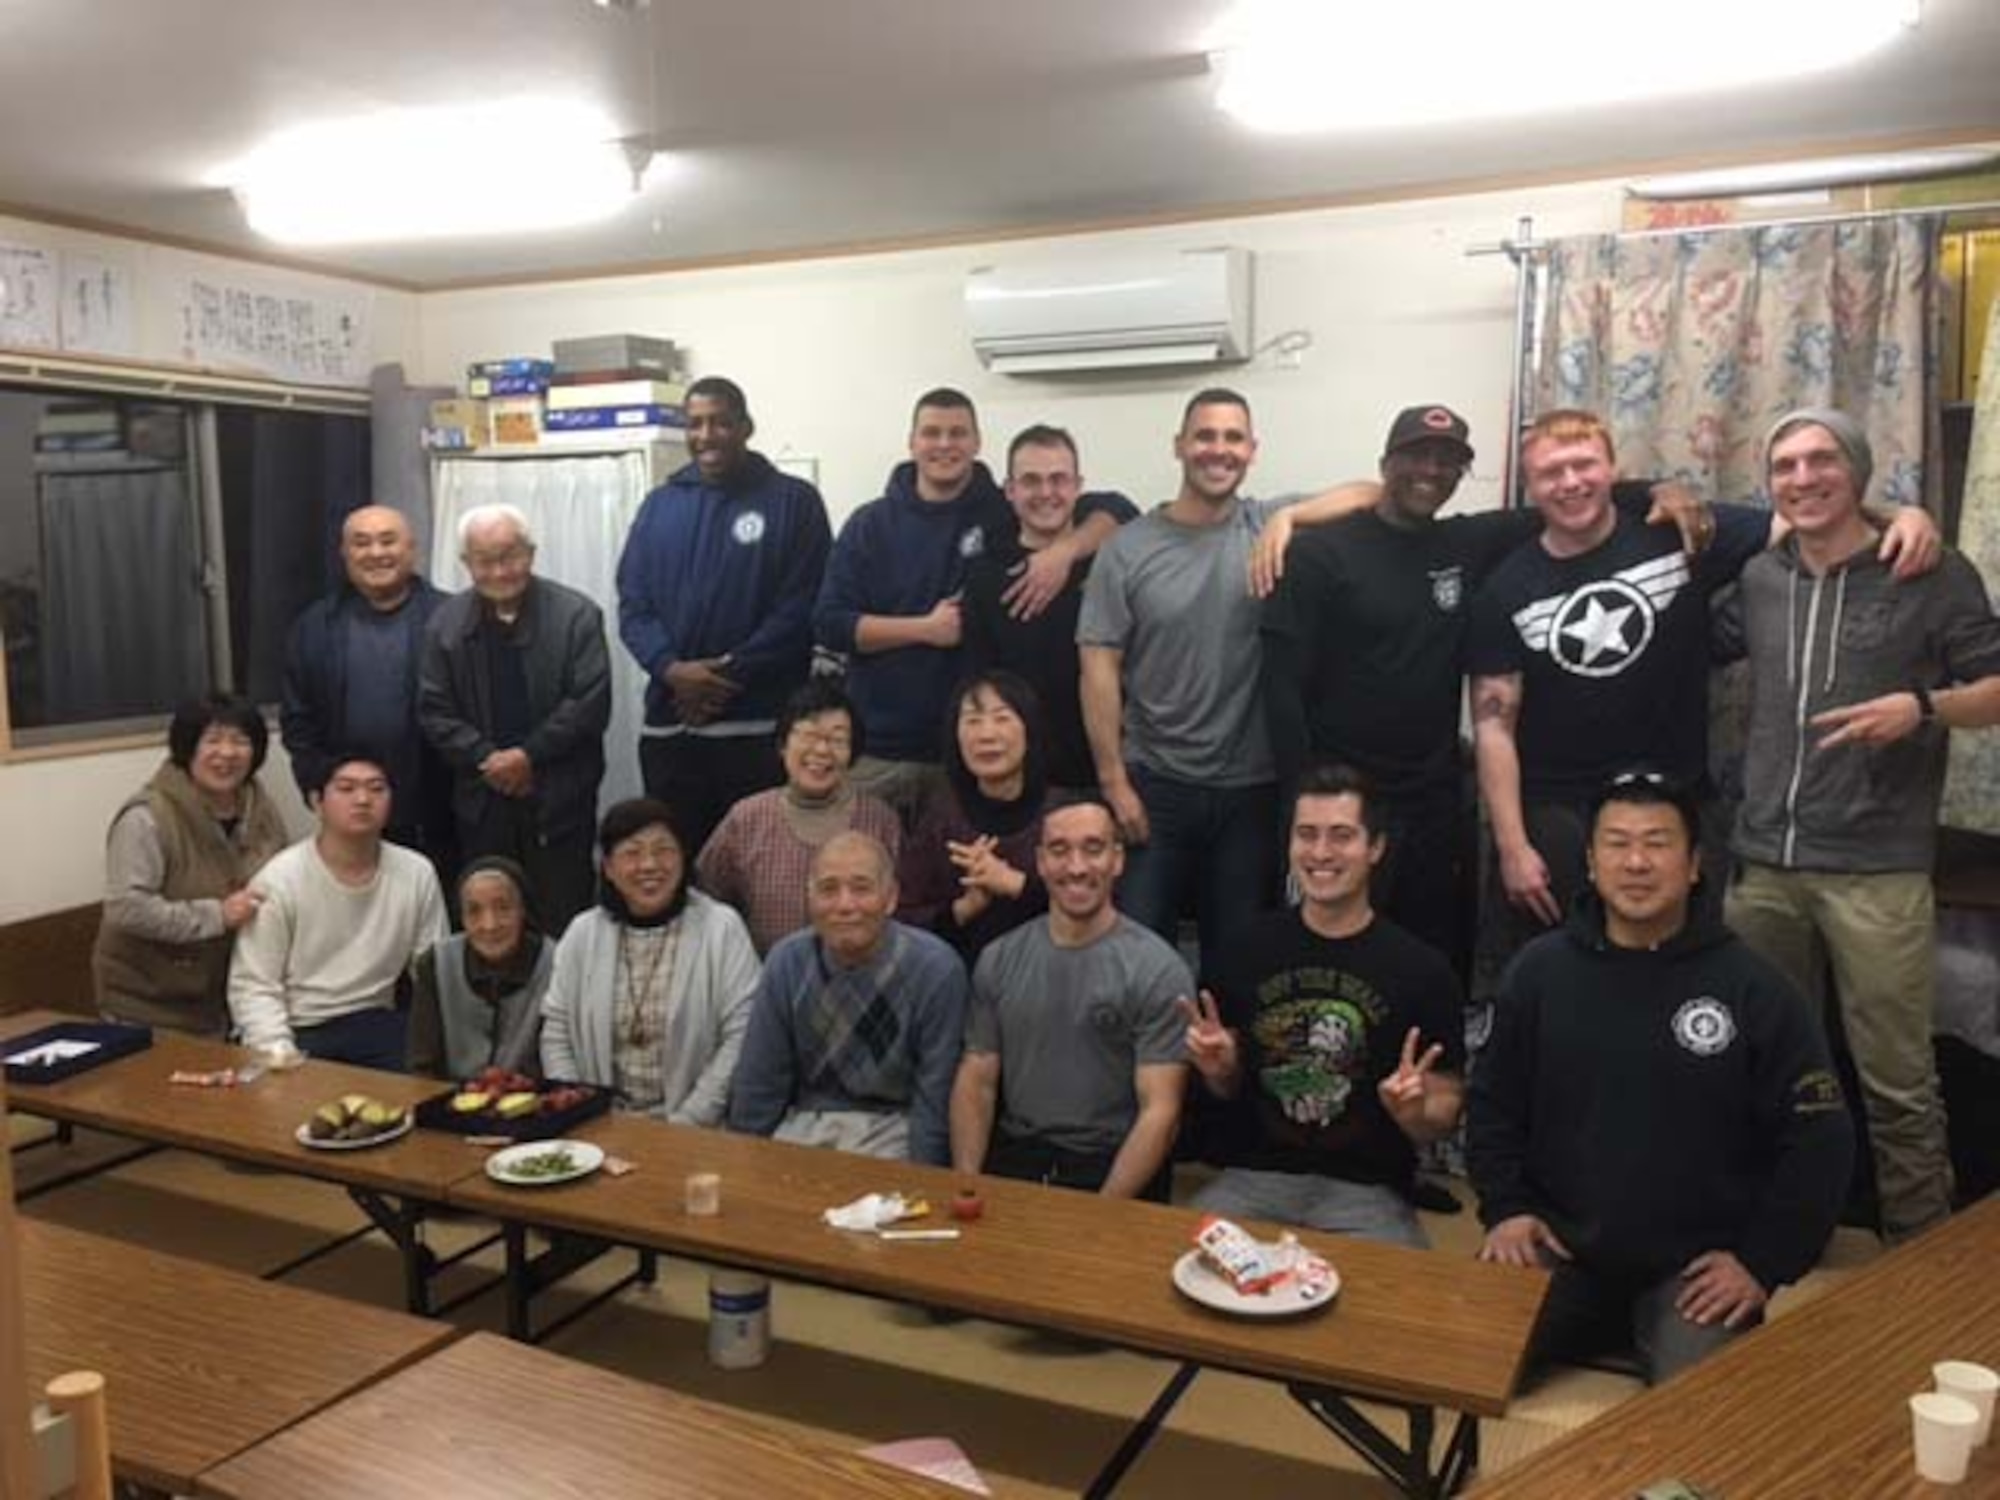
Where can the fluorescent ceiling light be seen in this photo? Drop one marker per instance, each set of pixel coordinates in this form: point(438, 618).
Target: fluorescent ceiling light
point(407, 174)
point(1299, 65)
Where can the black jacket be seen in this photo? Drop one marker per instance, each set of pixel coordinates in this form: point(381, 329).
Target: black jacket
point(1655, 1105)
point(313, 717)
point(569, 700)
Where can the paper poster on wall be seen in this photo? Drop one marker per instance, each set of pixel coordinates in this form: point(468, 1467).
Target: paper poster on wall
point(311, 337)
point(98, 313)
point(27, 297)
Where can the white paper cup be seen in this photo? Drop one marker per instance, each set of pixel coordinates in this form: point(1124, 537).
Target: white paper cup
point(1970, 1382)
point(1944, 1427)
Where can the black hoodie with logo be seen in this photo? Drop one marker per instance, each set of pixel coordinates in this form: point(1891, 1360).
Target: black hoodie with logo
point(1653, 1105)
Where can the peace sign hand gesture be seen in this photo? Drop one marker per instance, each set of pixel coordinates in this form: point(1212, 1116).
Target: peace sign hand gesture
point(1405, 1092)
point(1211, 1046)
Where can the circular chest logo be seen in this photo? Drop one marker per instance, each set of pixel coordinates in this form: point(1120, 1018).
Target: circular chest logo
point(1705, 1026)
point(748, 528)
point(971, 543)
point(1601, 629)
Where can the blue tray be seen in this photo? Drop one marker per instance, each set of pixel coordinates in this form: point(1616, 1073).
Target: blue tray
point(109, 1041)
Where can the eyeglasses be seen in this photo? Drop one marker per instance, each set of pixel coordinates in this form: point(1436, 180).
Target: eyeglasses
point(480, 562)
point(839, 740)
point(634, 852)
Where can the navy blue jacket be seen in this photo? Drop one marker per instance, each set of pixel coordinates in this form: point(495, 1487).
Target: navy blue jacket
point(313, 718)
point(900, 555)
point(727, 570)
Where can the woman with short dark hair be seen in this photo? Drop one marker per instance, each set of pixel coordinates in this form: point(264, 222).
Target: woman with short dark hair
point(652, 987)
point(178, 862)
point(759, 858)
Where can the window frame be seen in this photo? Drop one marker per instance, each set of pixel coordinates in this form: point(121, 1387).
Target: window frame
point(201, 394)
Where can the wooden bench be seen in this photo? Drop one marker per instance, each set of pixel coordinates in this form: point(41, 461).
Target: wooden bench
point(45, 962)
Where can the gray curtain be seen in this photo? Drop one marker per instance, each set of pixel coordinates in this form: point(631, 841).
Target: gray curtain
point(123, 628)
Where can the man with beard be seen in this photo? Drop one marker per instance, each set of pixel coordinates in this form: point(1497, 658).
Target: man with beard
point(1072, 1073)
point(1168, 638)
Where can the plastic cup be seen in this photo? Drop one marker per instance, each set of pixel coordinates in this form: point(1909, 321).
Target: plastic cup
point(1943, 1428)
point(704, 1194)
point(1970, 1382)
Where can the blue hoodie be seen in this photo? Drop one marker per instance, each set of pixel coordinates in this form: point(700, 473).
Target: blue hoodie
point(900, 555)
point(725, 570)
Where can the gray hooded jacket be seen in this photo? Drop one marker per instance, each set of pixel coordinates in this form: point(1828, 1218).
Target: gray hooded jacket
point(1816, 643)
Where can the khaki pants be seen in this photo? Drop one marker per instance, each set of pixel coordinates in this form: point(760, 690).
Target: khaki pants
point(1879, 932)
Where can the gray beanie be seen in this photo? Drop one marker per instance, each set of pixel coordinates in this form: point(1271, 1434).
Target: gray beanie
point(1846, 432)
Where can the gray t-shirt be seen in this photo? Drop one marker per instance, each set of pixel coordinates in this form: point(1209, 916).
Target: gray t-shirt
point(1071, 1024)
point(1176, 600)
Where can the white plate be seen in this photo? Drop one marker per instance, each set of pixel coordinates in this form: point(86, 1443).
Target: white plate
point(587, 1157)
point(304, 1136)
point(1208, 1287)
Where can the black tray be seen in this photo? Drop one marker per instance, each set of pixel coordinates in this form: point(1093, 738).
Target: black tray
point(437, 1114)
point(114, 1040)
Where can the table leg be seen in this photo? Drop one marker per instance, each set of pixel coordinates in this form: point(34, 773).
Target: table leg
point(1408, 1467)
point(403, 1221)
point(527, 1276)
point(1137, 1439)
point(519, 1292)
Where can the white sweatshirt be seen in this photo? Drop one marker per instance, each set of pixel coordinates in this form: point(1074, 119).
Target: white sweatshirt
point(318, 949)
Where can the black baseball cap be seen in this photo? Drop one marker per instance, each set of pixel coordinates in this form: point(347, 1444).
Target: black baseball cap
point(1423, 424)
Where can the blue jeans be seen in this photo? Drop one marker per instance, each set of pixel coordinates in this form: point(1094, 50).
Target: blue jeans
point(1368, 1211)
point(1218, 845)
point(365, 1039)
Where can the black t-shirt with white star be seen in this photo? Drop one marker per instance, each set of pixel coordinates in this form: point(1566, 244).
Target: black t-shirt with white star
point(1612, 649)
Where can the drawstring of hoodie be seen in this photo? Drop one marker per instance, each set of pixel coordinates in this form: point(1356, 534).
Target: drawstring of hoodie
point(1792, 629)
point(1833, 636)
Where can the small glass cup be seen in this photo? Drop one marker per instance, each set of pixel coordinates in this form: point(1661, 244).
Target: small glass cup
point(704, 1194)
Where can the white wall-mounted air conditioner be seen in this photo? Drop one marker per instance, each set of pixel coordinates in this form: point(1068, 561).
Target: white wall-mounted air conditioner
point(1189, 307)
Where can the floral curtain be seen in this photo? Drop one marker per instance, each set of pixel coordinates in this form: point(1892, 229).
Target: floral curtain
point(1972, 792)
point(1690, 345)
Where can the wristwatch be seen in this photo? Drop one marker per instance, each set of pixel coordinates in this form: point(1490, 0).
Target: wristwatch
point(1926, 710)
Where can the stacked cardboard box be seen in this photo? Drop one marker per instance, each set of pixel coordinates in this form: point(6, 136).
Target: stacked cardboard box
point(618, 383)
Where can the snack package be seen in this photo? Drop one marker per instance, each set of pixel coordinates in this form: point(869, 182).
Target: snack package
point(1229, 1250)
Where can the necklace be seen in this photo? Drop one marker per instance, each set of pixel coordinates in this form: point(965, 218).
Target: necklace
point(640, 990)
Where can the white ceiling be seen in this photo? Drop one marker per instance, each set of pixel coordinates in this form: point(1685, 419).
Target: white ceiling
point(800, 124)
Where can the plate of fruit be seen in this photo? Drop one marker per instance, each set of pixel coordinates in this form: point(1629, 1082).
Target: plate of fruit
point(352, 1122)
point(499, 1102)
